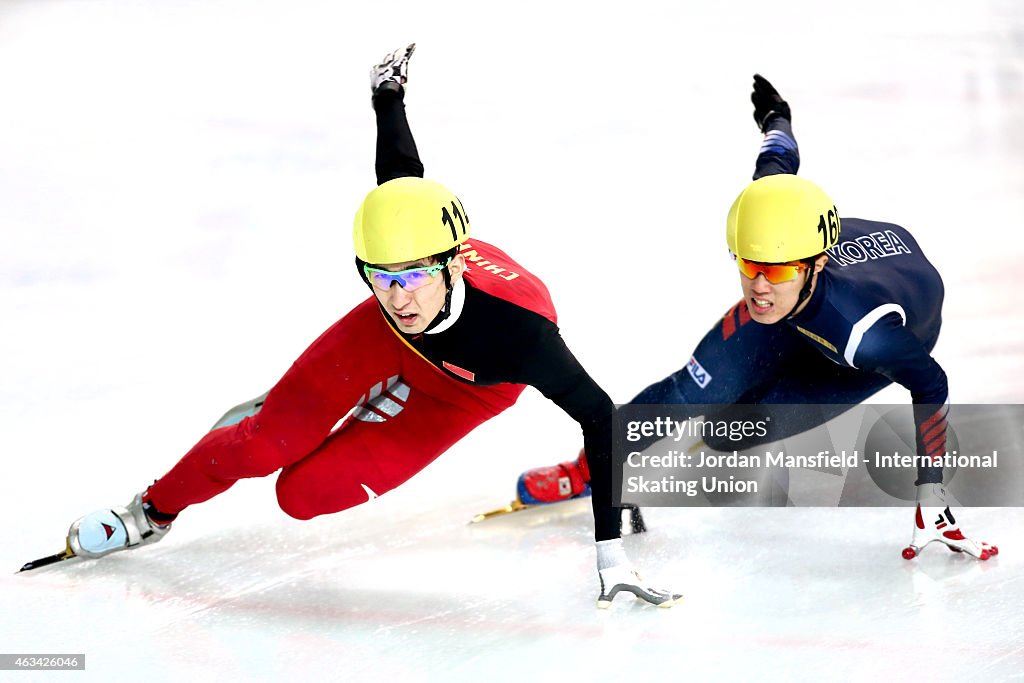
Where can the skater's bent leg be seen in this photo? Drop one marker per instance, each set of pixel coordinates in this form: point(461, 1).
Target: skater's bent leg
point(278, 435)
point(365, 459)
point(346, 471)
point(296, 416)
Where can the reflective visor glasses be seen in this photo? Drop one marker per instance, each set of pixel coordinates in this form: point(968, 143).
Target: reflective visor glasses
point(409, 280)
point(775, 273)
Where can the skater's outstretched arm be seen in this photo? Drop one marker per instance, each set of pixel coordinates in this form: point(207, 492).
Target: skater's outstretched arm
point(556, 373)
point(397, 156)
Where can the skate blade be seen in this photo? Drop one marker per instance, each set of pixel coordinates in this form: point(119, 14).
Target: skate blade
point(605, 601)
point(986, 552)
point(514, 506)
point(670, 603)
point(65, 554)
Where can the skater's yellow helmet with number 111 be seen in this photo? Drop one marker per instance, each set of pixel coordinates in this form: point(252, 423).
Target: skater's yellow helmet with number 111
point(407, 219)
point(782, 218)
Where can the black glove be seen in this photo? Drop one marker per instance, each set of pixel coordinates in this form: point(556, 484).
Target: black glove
point(767, 103)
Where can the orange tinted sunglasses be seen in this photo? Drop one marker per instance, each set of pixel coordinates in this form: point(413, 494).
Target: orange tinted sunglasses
point(775, 273)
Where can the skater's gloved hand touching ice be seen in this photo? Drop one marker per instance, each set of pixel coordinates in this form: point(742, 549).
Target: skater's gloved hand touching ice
point(616, 573)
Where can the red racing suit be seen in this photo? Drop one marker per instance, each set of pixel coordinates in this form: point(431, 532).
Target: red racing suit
point(413, 397)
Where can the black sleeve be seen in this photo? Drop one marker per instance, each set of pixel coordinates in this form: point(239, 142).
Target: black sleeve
point(554, 371)
point(396, 150)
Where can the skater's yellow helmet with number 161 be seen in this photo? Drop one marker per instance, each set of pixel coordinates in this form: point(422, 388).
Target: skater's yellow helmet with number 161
point(407, 219)
point(782, 218)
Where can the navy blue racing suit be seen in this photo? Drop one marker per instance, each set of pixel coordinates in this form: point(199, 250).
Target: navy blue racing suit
point(873, 319)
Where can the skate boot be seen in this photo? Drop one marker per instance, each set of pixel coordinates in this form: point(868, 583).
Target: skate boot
point(106, 531)
point(567, 480)
point(393, 70)
point(935, 522)
point(554, 484)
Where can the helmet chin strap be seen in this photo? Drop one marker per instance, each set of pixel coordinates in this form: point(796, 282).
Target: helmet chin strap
point(446, 310)
point(805, 292)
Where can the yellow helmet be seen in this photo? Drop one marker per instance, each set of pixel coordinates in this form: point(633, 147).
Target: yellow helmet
point(782, 218)
point(407, 219)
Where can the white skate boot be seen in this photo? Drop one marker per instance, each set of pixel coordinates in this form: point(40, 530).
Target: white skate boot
point(106, 531)
point(935, 522)
point(392, 70)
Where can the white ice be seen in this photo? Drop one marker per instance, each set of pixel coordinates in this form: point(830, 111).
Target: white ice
point(177, 182)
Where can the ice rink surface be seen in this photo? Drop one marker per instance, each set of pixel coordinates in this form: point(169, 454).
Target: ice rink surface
point(177, 183)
